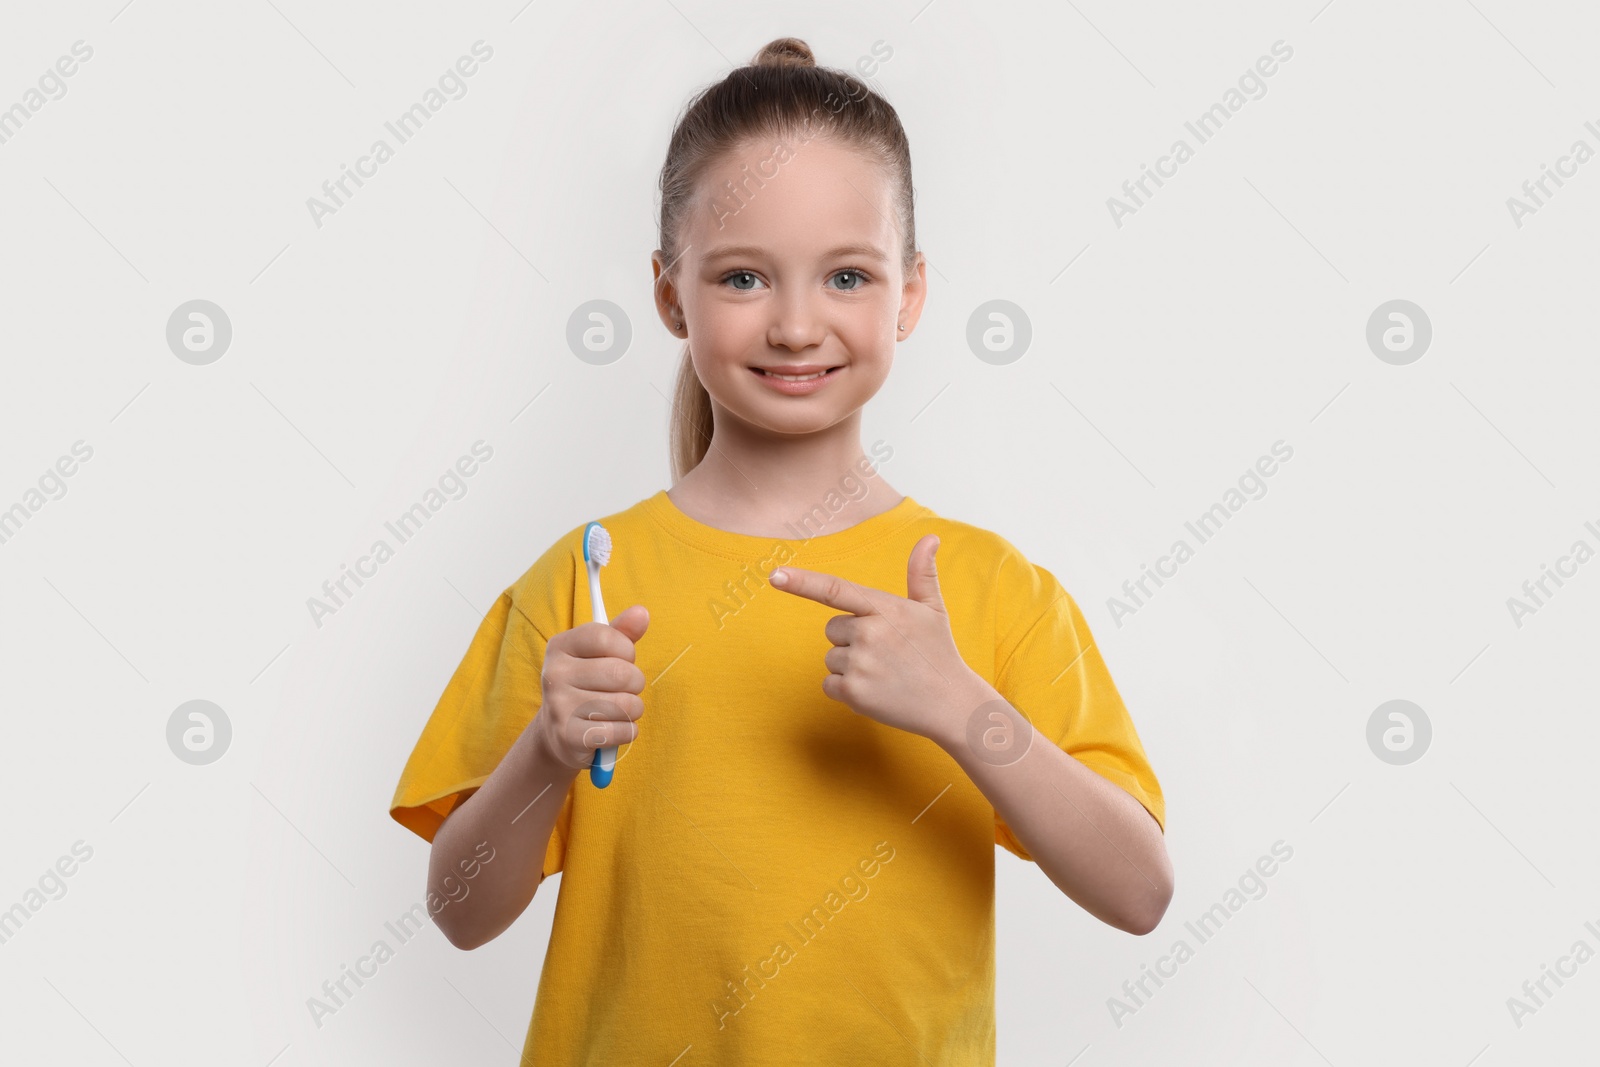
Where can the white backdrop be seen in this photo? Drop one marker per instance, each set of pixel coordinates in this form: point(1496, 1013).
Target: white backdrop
point(1174, 341)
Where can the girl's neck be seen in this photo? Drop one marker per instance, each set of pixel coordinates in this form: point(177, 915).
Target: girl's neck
point(762, 488)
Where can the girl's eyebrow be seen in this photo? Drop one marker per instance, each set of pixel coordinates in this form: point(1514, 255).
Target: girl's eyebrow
point(753, 252)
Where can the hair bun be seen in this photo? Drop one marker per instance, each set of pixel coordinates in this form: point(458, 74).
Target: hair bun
point(785, 52)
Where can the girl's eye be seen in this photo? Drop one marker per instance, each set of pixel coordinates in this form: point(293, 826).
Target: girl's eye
point(741, 274)
point(745, 281)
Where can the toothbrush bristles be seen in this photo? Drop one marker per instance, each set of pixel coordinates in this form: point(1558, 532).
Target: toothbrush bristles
point(599, 544)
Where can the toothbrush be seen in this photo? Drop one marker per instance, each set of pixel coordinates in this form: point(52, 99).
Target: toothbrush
point(596, 554)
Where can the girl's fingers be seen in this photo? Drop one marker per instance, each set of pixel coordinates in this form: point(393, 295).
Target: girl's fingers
point(595, 640)
point(604, 733)
point(603, 704)
point(607, 674)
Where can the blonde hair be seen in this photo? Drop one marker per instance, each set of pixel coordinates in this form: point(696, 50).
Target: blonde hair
point(779, 93)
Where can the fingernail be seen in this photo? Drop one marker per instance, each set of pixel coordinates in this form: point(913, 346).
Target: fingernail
point(777, 577)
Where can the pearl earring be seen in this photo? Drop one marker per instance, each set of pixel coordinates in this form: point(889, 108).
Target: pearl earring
point(902, 327)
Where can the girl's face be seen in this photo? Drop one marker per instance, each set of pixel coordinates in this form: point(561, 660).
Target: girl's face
point(802, 271)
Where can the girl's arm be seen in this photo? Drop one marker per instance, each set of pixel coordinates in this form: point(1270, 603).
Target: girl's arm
point(590, 688)
point(513, 811)
point(1091, 838)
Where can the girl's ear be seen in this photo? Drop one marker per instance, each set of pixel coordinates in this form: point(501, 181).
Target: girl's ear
point(912, 297)
point(668, 306)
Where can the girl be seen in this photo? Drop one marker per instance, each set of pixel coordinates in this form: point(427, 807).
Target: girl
point(795, 860)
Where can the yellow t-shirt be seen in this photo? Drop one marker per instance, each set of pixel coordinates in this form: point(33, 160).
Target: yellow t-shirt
point(770, 877)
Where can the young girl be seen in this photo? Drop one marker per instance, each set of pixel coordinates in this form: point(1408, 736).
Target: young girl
point(795, 860)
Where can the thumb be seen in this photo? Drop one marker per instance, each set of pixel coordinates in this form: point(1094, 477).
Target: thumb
point(633, 622)
point(922, 575)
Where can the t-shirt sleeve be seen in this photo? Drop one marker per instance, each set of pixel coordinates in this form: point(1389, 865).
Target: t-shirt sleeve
point(488, 702)
point(1051, 671)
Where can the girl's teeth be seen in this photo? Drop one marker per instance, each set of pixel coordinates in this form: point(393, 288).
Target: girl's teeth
point(795, 378)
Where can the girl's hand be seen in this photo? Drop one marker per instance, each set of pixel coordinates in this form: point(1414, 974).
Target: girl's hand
point(590, 689)
point(895, 659)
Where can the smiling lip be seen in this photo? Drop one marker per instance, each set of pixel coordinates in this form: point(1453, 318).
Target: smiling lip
point(799, 368)
point(797, 388)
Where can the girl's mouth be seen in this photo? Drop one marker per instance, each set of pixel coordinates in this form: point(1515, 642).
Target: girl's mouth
point(797, 384)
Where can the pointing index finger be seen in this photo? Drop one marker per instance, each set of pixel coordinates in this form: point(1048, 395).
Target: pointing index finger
point(827, 589)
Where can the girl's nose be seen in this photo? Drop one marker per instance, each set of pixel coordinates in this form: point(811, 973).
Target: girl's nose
point(798, 325)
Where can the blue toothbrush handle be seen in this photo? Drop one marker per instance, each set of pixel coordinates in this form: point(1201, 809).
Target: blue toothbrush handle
point(605, 762)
